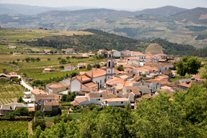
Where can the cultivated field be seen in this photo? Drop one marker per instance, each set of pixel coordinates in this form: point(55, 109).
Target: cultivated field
point(34, 70)
point(10, 92)
point(19, 126)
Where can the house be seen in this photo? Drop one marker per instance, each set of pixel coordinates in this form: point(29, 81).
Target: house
point(89, 87)
point(91, 80)
point(78, 81)
point(27, 97)
point(121, 102)
point(93, 98)
point(48, 103)
point(80, 101)
point(133, 92)
point(10, 75)
point(102, 52)
point(114, 81)
point(98, 76)
point(144, 90)
point(145, 70)
point(4, 109)
point(48, 70)
point(116, 53)
point(81, 65)
point(69, 68)
point(56, 87)
point(68, 51)
point(47, 51)
point(134, 61)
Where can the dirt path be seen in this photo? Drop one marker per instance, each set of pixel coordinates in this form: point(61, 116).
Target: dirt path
point(30, 131)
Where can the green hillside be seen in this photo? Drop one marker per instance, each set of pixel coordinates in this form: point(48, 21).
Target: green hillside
point(99, 40)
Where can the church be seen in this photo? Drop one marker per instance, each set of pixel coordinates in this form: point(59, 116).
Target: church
point(93, 80)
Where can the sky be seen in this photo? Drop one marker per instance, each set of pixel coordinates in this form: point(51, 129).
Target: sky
point(111, 4)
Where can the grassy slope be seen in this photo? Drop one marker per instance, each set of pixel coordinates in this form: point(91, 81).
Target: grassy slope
point(12, 37)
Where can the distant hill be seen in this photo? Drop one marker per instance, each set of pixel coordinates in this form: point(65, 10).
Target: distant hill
point(177, 25)
point(100, 40)
point(15, 9)
point(197, 15)
point(162, 11)
point(82, 16)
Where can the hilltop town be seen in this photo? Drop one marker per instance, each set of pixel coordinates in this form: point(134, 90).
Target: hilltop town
point(123, 79)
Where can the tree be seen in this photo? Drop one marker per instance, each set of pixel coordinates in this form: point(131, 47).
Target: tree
point(188, 65)
point(63, 61)
point(39, 121)
point(20, 100)
point(120, 68)
point(97, 65)
point(89, 67)
point(69, 97)
point(22, 111)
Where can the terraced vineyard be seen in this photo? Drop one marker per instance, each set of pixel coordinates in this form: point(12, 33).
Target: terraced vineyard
point(10, 92)
point(19, 126)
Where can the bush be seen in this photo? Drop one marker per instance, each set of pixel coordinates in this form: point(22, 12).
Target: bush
point(63, 61)
point(120, 68)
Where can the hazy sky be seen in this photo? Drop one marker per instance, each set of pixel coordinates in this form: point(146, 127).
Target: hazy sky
point(114, 4)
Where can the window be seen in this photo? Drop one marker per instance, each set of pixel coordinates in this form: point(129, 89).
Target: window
point(109, 64)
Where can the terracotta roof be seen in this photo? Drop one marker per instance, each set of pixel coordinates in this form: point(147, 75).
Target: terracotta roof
point(134, 90)
point(163, 79)
point(129, 83)
point(78, 100)
point(51, 103)
point(83, 78)
point(88, 87)
point(115, 81)
point(56, 85)
point(94, 95)
point(96, 73)
point(47, 97)
point(106, 94)
point(38, 91)
point(124, 76)
point(116, 100)
point(91, 85)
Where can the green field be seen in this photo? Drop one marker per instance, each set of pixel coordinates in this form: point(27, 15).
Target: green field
point(10, 92)
point(14, 59)
point(14, 37)
point(34, 70)
point(19, 126)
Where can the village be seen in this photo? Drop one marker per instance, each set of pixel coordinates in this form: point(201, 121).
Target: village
point(123, 80)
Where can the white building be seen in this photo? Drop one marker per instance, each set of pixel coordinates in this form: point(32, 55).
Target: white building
point(116, 102)
point(95, 76)
point(116, 53)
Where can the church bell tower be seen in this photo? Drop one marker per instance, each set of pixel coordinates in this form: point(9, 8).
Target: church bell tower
point(110, 66)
